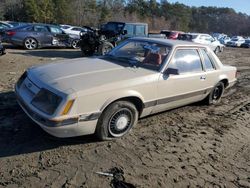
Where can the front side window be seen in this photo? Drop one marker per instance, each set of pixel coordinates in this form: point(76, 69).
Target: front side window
point(207, 61)
point(186, 61)
point(149, 55)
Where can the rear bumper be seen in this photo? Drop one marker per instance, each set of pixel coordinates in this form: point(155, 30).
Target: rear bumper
point(232, 83)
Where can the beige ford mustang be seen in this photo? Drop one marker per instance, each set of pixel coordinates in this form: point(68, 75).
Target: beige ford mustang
point(106, 95)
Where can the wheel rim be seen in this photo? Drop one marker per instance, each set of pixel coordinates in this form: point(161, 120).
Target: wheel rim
point(120, 122)
point(216, 50)
point(217, 93)
point(75, 44)
point(30, 44)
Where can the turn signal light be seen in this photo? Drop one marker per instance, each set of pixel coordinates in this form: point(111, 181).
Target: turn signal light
point(68, 107)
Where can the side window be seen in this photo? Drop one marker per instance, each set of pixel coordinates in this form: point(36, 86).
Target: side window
point(130, 29)
point(186, 61)
point(140, 30)
point(56, 30)
point(40, 28)
point(207, 61)
point(76, 29)
point(30, 28)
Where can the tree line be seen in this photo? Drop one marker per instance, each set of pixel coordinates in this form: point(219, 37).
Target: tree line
point(159, 15)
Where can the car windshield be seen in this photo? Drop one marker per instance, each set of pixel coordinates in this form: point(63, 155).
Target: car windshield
point(146, 54)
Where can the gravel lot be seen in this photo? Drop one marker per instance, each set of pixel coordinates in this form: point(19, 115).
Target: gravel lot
point(192, 146)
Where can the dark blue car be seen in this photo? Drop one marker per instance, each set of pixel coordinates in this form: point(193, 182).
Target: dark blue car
point(34, 36)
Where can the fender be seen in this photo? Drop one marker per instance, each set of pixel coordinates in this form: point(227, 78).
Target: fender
point(120, 95)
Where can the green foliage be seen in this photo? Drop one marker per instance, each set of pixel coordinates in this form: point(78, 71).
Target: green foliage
point(158, 14)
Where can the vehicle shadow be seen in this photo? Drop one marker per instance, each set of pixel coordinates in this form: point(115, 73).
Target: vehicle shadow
point(49, 52)
point(20, 135)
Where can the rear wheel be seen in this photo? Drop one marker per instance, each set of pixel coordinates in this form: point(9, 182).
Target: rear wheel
point(117, 120)
point(215, 95)
point(30, 43)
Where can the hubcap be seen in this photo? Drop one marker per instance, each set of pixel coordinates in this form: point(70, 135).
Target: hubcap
point(30, 44)
point(120, 122)
point(217, 93)
point(74, 44)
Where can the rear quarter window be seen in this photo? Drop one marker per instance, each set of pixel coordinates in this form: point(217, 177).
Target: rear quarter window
point(207, 60)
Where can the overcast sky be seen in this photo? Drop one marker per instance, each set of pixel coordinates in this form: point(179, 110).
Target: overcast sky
point(239, 5)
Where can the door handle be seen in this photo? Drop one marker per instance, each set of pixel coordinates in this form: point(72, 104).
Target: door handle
point(203, 77)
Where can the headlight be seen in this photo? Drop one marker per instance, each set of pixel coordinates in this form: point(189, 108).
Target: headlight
point(46, 101)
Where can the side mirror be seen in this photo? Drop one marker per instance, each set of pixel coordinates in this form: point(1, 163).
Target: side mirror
point(172, 71)
point(124, 32)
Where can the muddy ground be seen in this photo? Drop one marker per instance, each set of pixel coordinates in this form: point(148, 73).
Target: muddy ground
point(192, 146)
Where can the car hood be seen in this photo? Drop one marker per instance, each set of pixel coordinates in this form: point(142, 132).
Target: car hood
point(84, 74)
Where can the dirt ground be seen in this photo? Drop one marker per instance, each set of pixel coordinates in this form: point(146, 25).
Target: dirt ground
point(192, 146)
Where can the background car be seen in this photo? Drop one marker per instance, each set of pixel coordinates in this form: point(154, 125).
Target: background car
point(236, 42)
point(2, 49)
point(3, 27)
point(207, 39)
point(73, 29)
point(246, 44)
point(171, 34)
point(224, 40)
point(34, 36)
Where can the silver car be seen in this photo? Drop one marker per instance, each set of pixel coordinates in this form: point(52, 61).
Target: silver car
point(106, 95)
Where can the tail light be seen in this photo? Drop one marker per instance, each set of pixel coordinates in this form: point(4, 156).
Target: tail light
point(10, 33)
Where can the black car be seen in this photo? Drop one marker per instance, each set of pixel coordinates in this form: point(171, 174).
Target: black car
point(2, 49)
point(34, 36)
point(246, 44)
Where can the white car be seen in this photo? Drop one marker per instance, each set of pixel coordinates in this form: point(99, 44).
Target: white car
point(74, 30)
point(236, 42)
point(106, 95)
point(207, 39)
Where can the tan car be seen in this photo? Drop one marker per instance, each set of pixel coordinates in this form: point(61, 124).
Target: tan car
point(106, 95)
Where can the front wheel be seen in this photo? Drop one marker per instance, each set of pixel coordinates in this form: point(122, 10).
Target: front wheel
point(104, 48)
point(117, 120)
point(215, 95)
point(30, 43)
point(75, 44)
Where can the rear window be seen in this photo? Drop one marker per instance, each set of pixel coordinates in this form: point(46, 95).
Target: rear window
point(207, 61)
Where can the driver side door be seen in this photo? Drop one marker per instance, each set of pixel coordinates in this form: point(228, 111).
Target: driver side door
point(187, 84)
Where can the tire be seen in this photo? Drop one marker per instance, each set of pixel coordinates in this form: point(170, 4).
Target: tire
point(221, 49)
point(215, 95)
point(30, 43)
point(117, 120)
point(104, 48)
point(217, 50)
point(75, 44)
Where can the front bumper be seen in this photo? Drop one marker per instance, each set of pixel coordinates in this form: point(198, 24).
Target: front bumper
point(63, 128)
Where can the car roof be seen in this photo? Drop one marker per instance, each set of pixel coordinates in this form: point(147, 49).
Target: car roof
point(168, 42)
